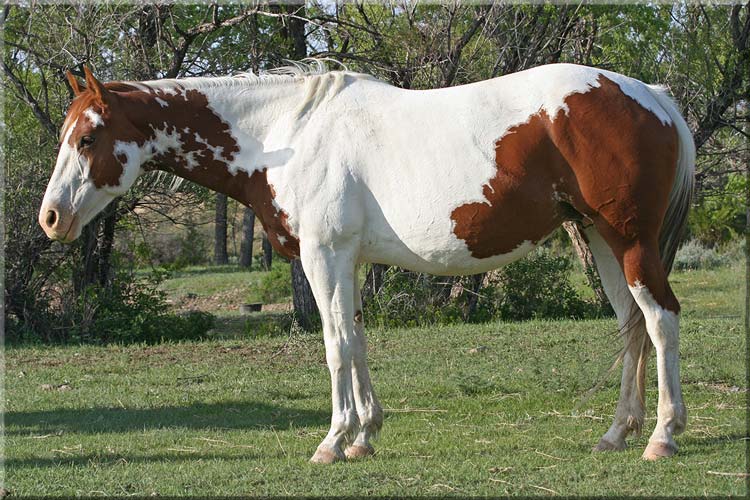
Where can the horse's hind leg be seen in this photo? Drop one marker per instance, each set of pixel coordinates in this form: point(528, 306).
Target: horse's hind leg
point(630, 412)
point(648, 284)
point(368, 408)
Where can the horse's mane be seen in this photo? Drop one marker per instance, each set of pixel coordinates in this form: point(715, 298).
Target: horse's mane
point(295, 71)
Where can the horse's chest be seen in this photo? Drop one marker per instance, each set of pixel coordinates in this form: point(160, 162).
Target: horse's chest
point(261, 196)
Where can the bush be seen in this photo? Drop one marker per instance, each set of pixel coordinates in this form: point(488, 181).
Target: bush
point(127, 310)
point(408, 299)
point(694, 255)
point(734, 251)
point(537, 287)
point(719, 217)
point(274, 285)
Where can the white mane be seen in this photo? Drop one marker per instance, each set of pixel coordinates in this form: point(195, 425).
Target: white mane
point(295, 72)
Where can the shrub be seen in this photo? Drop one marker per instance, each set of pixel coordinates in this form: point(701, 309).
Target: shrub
point(128, 309)
point(694, 255)
point(719, 216)
point(535, 287)
point(538, 287)
point(408, 299)
point(274, 285)
point(734, 251)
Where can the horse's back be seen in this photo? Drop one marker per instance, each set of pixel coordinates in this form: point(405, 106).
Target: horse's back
point(465, 179)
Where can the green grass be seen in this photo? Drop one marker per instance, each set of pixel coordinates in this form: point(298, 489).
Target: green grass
point(239, 416)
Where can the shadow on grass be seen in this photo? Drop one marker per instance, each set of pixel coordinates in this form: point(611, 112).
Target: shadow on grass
point(125, 459)
point(225, 415)
point(692, 443)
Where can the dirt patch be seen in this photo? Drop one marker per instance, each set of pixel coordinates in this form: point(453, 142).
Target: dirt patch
point(280, 307)
point(228, 300)
point(723, 388)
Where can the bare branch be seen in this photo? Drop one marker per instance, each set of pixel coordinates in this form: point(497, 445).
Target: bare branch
point(29, 99)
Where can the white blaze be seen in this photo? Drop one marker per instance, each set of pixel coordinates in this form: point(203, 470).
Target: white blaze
point(94, 117)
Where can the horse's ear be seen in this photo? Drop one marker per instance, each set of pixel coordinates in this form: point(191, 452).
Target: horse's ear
point(95, 85)
point(74, 84)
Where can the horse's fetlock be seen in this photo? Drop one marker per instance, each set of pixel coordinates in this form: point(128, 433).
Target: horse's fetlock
point(635, 424)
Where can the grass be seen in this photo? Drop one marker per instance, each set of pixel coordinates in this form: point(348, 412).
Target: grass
point(237, 416)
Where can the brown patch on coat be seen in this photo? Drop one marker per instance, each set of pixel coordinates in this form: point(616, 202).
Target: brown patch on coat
point(608, 157)
point(521, 203)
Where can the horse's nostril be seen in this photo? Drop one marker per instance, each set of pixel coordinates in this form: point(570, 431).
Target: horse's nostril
point(51, 218)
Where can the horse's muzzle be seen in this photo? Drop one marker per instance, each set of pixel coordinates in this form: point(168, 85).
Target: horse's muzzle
point(58, 224)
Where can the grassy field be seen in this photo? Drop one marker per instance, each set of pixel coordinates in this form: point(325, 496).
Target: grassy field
point(239, 415)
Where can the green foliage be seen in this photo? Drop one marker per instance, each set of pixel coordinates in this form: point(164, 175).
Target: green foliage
point(409, 299)
point(126, 310)
point(720, 215)
point(537, 287)
point(695, 255)
point(735, 250)
point(532, 288)
point(193, 249)
point(274, 285)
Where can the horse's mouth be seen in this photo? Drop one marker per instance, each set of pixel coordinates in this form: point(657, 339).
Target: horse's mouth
point(62, 230)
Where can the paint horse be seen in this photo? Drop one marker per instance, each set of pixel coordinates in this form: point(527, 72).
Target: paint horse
point(343, 169)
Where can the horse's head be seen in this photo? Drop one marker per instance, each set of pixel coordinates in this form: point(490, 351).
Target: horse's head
point(99, 159)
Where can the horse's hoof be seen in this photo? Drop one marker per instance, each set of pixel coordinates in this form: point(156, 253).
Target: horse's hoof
point(325, 455)
point(359, 451)
point(605, 445)
point(655, 451)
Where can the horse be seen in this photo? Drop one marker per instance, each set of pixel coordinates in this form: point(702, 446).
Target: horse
point(344, 169)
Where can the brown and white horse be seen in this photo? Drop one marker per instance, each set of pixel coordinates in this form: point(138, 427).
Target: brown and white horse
point(343, 169)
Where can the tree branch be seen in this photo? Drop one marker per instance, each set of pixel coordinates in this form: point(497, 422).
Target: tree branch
point(26, 96)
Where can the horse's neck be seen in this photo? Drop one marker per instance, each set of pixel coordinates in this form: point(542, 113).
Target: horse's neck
point(216, 136)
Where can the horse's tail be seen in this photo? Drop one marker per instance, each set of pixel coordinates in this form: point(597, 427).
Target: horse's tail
point(675, 219)
point(680, 197)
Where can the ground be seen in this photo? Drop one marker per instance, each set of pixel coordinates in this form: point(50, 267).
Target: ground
point(491, 409)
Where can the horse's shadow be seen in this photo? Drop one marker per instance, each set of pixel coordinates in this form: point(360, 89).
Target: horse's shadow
point(208, 417)
point(223, 415)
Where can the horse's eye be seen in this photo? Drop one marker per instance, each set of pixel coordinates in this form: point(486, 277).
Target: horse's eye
point(86, 140)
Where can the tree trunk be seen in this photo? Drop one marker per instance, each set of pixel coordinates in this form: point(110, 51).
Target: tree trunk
point(297, 30)
point(304, 303)
point(267, 253)
point(575, 231)
point(305, 307)
point(475, 283)
point(220, 231)
point(248, 233)
point(88, 260)
point(106, 242)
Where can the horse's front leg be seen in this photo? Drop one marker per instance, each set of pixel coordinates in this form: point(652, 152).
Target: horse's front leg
point(368, 408)
point(331, 275)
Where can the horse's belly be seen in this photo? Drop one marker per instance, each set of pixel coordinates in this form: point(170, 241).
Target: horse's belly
point(436, 249)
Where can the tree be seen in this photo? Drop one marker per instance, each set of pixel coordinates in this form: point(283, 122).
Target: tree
point(267, 253)
point(248, 233)
point(221, 257)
